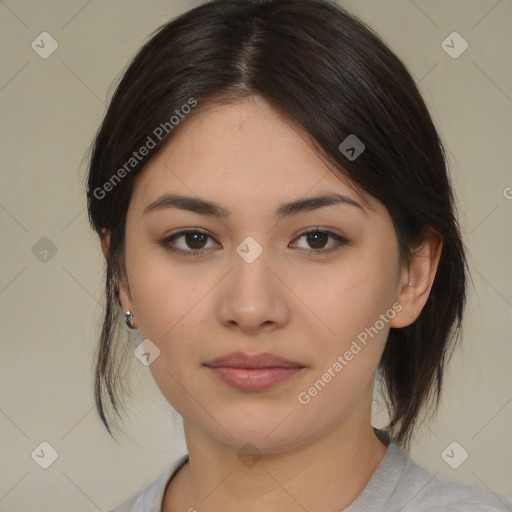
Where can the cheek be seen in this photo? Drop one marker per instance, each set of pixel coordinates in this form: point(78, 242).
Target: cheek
point(164, 294)
point(345, 362)
point(353, 294)
point(170, 309)
point(350, 303)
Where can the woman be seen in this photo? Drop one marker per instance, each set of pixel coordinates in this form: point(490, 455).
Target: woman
point(274, 208)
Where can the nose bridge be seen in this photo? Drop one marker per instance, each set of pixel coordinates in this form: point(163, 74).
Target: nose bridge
point(250, 250)
point(251, 295)
point(251, 272)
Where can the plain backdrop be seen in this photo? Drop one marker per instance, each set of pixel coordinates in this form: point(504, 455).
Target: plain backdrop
point(51, 274)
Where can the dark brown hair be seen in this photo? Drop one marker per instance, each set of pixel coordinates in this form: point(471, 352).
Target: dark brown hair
point(332, 76)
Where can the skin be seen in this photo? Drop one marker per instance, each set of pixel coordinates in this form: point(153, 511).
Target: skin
point(295, 303)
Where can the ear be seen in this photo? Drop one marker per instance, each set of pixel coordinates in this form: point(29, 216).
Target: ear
point(416, 280)
point(105, 242)
point(125, 300)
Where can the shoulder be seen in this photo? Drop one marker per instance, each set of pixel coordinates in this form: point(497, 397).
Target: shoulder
point(149, 499)
point(422, 490)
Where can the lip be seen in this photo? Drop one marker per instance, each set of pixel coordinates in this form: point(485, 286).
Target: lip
point(256, 372)
point(243, 360)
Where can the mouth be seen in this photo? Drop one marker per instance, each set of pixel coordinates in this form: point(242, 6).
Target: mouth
point(253, 372)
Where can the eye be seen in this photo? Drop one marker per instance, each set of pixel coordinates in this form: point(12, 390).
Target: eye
point(317, 239)
point(194, 242)
point(193, 239)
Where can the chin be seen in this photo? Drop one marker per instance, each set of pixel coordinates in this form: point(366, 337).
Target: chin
point(263, 434)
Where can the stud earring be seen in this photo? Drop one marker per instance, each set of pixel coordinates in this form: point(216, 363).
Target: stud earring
point(128, 315)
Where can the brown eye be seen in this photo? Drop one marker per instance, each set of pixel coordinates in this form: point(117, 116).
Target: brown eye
point(317, 241)
point(195, 240)
point(188, 243)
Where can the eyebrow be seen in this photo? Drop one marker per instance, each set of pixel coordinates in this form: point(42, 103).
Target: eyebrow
point(204, 207)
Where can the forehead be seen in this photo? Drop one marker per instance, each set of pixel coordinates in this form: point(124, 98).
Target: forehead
point(244, 152)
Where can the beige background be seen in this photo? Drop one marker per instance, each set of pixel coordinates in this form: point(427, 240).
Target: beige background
point(50, 110)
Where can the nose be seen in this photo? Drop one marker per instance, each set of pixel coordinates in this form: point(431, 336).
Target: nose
point(253, 297)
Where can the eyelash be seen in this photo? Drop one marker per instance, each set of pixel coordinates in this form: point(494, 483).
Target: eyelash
point(198, 253)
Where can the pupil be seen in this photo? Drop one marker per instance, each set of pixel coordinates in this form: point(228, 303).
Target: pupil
point(193, 238)
point(313, 238)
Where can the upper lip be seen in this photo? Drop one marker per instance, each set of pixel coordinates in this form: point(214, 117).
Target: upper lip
point(243, 360)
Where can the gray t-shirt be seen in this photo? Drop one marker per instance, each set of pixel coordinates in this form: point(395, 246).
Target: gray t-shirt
point(397, 485)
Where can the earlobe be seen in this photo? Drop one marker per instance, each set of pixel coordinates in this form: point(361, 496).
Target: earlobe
point(416, 281)
point(404, 316)
point(124, 297)
point(127, 305)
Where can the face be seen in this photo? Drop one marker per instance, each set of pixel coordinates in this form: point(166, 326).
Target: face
point(203, 285)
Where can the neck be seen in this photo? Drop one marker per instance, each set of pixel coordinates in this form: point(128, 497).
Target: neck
point(325, 474)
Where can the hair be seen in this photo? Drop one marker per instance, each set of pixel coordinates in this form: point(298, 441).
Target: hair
point(331, 76)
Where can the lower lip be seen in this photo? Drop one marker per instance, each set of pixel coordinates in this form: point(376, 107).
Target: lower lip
point(254, 379)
